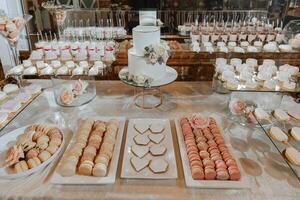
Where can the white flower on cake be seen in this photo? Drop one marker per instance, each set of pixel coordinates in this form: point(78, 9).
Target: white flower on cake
point(157, 53)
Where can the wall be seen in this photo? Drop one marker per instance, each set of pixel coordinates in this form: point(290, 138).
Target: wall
point(12, 8)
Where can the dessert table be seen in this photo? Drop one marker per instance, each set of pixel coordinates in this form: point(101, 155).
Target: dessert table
point(269, 176)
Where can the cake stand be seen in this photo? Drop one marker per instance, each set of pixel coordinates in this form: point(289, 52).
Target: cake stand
point(13, 42)
point(149, 95)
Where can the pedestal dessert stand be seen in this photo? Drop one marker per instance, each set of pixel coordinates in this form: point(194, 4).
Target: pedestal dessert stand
point(149, 95)
point(13, 42)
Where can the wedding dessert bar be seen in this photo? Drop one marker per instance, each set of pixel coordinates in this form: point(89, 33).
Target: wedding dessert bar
point(139, 99)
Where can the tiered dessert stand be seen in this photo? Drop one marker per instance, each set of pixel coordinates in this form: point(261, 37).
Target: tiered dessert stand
point(149, 95)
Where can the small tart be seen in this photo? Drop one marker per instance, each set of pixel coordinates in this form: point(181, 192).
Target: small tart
point(278, 135)
point(295, 132)
point(158, 165)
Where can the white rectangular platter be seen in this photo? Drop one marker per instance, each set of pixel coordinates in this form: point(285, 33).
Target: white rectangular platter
point(91, 180)
point(243, 183)
point(127, 169)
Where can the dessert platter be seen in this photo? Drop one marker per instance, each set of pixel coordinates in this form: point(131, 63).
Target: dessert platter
point(206, 154)
point(149, 151)
point(14, 99)
point(93, 154)
point(29, 149)
point(234, 75)
point(147, 59)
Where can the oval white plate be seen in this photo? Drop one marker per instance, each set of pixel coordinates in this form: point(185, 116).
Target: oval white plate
point(7, 141)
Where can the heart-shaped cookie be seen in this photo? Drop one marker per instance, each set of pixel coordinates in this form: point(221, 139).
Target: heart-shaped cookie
point(158, 165)
point(141, 139)
point(156, 138)
point(139, 151)
point(139, 164)
point(157, 127)
point(141, 127)
point(158, 150)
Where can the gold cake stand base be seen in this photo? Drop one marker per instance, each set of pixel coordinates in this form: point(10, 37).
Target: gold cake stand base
point(147, 98)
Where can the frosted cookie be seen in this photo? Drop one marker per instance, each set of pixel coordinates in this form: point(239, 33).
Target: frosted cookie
point(251, 84)
point(40, 64)
point(55, 64)
point(33, 89)
point(17, 70)
point(235, 61)
point(139, 164)
point(292, 155)
point(11, 106)
point(2, 95)
point(141, 127)
point(158, 150)
point(295, 133)
point(285, 48)
point(261, 114)
point(156, 138)
point(158, 165)
point(3, 117)
point(277, 134)
point(157, 127)
point(27, 63)
point(238, 50)
point(70, 64)
point(227, 75)
point(9, 88)
point(281, 115)
point(23, 97)
point(141, 139)
point(139, 151)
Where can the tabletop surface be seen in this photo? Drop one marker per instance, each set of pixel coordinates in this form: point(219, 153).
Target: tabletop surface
point(270, 177)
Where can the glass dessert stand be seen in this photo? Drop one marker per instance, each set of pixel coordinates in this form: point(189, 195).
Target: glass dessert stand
point(148, 95)
point(13, 35)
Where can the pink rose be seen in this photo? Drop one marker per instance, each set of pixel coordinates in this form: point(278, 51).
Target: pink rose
point(198, 121)
point(79, 87)
point(66, 97)
point(237, 106)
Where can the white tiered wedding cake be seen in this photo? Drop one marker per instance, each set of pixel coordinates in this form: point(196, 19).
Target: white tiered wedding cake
point(148, 56)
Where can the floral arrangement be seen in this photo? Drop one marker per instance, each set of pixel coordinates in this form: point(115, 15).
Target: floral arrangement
point(68, 96)
point(157, 53)
point(199, 121)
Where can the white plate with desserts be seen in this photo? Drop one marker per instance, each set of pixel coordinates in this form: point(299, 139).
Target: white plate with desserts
point(213, 164)
point(28, 150)
point(149, 151)
point(93, 154)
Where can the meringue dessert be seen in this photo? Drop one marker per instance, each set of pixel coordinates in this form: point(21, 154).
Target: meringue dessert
point(64, 70)
point(30, 71)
